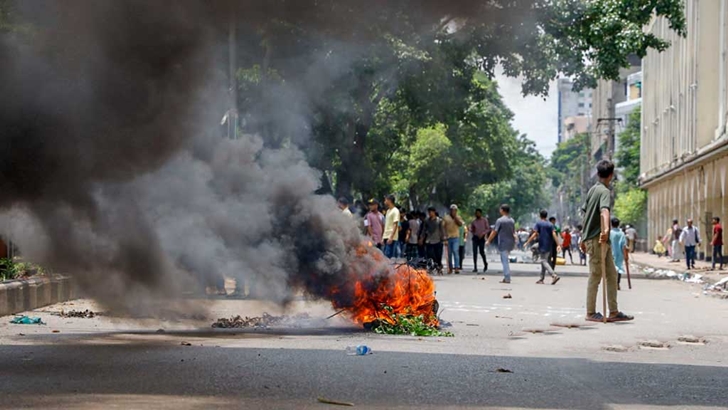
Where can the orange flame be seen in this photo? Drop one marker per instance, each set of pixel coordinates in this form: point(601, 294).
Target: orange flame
point(375, 283)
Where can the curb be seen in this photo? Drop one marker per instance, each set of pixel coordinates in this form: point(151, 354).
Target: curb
point(22, 295)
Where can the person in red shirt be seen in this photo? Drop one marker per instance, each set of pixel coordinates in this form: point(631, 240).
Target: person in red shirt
point(717, 242)
point(566, 244)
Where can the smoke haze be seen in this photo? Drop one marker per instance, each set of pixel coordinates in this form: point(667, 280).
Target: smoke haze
point(112, 168)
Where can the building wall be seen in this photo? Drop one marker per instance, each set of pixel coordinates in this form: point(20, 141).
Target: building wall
point(684, 152)
point(571, 104)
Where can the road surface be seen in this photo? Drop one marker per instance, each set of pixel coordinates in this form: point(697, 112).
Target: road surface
point(112, 362)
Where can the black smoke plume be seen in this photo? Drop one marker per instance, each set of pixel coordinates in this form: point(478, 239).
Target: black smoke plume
point(112, 168)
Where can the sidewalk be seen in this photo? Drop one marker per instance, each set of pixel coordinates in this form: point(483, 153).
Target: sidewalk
point(647, 261)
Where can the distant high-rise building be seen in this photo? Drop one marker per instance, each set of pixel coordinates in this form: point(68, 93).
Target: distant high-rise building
point(572, 104)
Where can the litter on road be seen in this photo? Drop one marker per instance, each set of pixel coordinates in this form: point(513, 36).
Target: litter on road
point(27, 320)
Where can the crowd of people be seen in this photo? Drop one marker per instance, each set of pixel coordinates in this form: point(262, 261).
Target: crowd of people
point(684, 240)
point(419, 235)
point(429, 235)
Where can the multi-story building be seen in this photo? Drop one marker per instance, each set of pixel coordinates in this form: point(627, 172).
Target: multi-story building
point(571, 104)
point(684, 152)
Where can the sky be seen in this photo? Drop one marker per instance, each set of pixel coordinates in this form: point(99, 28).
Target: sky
point(534, 116)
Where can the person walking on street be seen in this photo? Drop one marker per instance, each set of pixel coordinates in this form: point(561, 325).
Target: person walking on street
point(546, 235)
point(402, 235)
point(505, 228)
point(452, 223)
point(566, 245)
point(391, 227)
point(463, 237)
point(597, 219)
point(373, 223)
point(620, 252)
point(717, 242)
point(675, 241)
point(411, 239)
point(690, 238)
point(479, 229)
point(433, 237)
point(554, 252)
point(631, 237)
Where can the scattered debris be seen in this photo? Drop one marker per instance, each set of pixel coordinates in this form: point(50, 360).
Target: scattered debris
point(56, 331)
point(503, 317)
point(472, 324)
point(616, 348)
point(84, 314)
point(335, 402)
point(719, 289)
point(186, 344)
point(653, 344)
point(26, 320)
point(502, 370)
point(692, 340)
point(264, 321)
point(160, 330)
point(538, 330)
point(507, 296)
point(21, 334)
point(568, 325)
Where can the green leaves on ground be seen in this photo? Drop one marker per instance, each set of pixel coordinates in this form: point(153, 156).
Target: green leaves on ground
point(413, 325)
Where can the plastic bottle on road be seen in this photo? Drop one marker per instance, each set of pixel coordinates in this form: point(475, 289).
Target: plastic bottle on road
point(359, 350)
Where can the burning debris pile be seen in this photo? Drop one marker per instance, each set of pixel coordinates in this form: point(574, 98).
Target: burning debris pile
point(392, 299)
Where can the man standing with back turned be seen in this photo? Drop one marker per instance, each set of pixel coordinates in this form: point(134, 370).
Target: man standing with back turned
point(597, 219)
point(505, 228)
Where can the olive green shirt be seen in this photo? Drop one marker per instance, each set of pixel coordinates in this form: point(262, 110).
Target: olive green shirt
point(597, 198)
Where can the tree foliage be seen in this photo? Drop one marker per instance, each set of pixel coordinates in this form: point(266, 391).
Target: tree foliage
point(628, 152)
point(396, 67)
point(569, 172)
point(524, 191)
point(631, 206)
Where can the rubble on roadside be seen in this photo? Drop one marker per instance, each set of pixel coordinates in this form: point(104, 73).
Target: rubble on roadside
point(264, 321)
point(718, 289)
point(83, 314)
point(689, 277)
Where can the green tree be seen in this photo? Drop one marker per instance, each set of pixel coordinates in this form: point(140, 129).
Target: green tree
point(410, 65)
point(524, 191)
point(631, 206)
point(628, 152)
point(570, 164)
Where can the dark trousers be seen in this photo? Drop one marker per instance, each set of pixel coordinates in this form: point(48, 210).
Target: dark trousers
point(564, 251)
point(461, 252)
point(552, 259)
point(434, 252)
point(690, 256)
point(718, 255)
point(479, 248)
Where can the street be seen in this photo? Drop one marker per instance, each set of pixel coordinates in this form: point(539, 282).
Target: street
point(506, 353)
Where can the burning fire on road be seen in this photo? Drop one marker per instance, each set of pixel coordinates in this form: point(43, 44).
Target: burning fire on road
point(381, 296)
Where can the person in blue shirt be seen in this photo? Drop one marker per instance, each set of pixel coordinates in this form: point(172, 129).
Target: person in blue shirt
point(620, 251)
point(547, 239)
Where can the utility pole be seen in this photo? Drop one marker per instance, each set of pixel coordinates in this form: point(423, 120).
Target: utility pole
point(232, 114)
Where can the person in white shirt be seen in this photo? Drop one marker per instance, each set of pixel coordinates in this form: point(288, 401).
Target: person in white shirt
point(344, 206)
point(690, 238)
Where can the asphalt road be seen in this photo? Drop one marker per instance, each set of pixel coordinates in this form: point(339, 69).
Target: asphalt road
point(111, 362)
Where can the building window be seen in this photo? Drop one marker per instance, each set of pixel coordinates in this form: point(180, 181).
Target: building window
point(581, 105)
